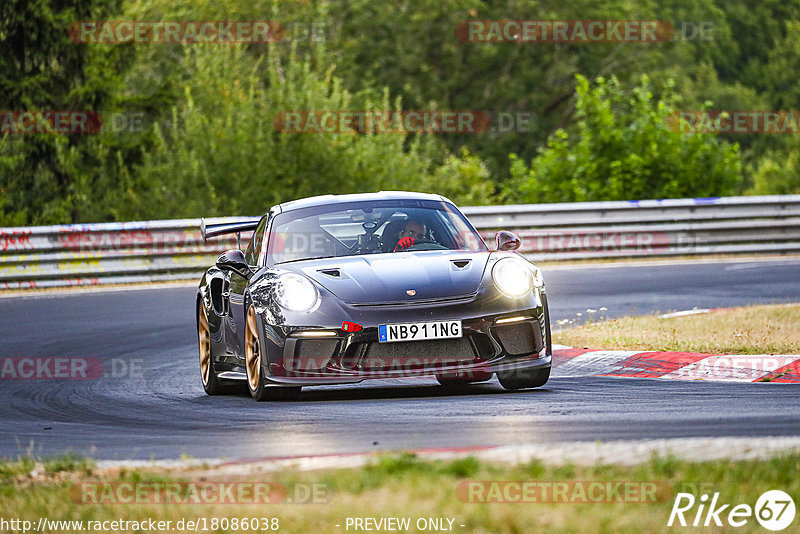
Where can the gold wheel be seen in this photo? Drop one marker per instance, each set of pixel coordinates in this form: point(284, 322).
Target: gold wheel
point(252, 351)
point(204, 339)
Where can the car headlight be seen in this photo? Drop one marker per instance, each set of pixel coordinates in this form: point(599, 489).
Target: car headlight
point(513, 277)
point(296, 292)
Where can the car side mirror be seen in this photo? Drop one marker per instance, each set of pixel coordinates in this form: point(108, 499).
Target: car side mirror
point(507, 240)
point(233, 260)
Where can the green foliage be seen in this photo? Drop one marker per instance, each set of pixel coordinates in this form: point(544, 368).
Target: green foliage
point(428, 489)
point(414, 51)
point(39, 64)
point(69, 462)
point(209, 146)
point(465, 467)
point(624, 148)
point(44, 177)
point(222, 152)
point(777, 174)
point(465, 180)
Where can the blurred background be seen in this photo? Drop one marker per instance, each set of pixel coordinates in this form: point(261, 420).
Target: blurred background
point(188, 127)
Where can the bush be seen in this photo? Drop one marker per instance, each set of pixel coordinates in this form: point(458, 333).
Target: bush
point(624, 148)
point(777, 174)
point(221, 154)
point(465, 180)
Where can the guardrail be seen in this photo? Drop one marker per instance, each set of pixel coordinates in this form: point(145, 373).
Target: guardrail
point(579, 230)
point(108, 253)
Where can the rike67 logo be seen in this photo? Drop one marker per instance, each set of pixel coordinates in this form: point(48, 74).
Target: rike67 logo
point(774, 510)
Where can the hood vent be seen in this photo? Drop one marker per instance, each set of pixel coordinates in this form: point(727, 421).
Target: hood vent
point(461, 264)
point(333, 273)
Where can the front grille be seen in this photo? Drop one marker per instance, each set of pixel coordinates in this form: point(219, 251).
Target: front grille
point(521, 338)
point(417, 354)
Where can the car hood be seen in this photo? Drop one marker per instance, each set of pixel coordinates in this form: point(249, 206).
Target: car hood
point(383, 278)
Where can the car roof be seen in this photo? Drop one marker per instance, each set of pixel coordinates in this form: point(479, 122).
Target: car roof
point(325, 200)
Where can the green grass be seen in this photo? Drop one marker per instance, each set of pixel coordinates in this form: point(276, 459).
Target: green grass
point(403, 485)
point(25, 465)
point(773, 329)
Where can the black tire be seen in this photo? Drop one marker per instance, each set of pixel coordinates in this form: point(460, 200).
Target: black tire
point(256, 384)
point(524, 378)
point(208, 375)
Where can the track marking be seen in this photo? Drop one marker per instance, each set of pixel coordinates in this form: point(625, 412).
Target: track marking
point(778, 368)
point(687, 312)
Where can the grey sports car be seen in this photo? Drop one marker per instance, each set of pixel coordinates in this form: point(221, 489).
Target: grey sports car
point(338, 289)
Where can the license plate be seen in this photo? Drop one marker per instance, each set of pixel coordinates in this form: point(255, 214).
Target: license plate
point(389, 333)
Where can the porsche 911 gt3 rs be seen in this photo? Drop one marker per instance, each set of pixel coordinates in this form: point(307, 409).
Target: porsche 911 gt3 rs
point(339, 289)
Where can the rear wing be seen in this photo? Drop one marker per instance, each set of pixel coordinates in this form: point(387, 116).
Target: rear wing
point(236, 226)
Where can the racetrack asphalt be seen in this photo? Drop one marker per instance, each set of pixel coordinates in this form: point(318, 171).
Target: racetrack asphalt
point(160, 411)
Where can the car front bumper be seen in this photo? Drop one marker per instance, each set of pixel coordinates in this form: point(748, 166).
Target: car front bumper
point(497, 335)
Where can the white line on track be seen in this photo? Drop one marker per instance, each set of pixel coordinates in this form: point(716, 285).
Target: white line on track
point(684, 313)
point(82, 290)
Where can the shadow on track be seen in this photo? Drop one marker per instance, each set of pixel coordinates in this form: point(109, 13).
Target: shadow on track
point(399, 391)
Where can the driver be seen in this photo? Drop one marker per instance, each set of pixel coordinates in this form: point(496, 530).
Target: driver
point(413, 231)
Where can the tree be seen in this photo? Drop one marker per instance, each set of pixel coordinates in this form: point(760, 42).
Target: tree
point(412, 49)
point(41, 69)
point(464, 179)
point(623, 147)
point(222, 152)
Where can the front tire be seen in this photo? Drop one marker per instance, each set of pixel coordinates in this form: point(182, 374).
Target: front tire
point(208, 375)
point(255, 370)
point(524, 378)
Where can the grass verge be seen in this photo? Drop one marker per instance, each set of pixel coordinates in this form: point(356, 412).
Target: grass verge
point(773, 329)
point(404, 486)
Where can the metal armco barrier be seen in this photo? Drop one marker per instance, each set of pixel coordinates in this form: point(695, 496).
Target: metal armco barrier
point(640, 228)
point(107, 253)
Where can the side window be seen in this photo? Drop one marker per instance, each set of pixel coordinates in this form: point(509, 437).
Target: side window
point(252, 252)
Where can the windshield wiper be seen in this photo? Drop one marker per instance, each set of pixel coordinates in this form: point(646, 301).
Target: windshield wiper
point(304, 259)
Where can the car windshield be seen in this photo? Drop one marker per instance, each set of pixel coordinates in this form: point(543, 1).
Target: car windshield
point(370, 227)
